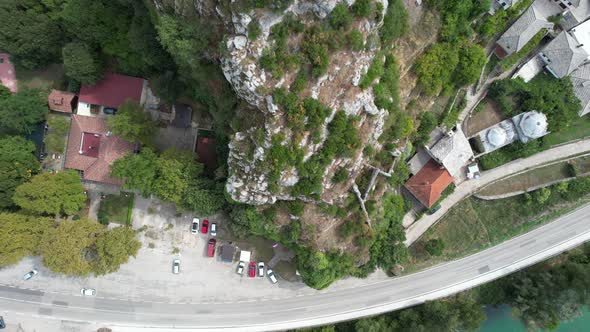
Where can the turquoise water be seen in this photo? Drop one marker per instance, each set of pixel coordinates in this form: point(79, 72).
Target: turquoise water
point(500, 320)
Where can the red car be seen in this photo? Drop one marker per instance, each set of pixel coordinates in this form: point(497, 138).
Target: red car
point(252, 270)
point(205, 226)
point(211, 247)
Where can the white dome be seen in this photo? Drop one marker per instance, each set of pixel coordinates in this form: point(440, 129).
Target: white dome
point(534, 124)
point(496, 136)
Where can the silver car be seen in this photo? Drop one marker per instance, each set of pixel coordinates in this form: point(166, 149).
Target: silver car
point(240, 269)
point(213, 229)
point(31, 274)
point(176, 266)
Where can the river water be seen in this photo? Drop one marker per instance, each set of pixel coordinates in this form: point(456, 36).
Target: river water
point(500, 320)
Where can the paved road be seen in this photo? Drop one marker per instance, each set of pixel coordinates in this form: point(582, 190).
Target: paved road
point(334, 304)
point(467, 188)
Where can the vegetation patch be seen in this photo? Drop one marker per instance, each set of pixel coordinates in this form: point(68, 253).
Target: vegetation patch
point(116, 209)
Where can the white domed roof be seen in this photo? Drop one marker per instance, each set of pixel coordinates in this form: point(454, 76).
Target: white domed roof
point(496, 136)
point(534, 124)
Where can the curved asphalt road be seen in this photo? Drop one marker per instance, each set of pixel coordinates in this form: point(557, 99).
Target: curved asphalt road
point(318, 308)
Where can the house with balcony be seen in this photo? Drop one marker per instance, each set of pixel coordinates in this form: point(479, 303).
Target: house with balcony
point(107, 95)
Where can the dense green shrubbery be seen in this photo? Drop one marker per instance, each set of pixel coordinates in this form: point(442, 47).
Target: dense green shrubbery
point(278, 58)
point(280, 156)
point(374, 72)
point(340, 17)
point(427, 124)
point(510, 152)
point(362, 8)
point(553, 97)
point(395, 22)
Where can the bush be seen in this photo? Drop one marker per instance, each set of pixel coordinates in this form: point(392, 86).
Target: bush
point(375, 71)
point(427, 124)
point(340, 175)
point(340, 16)
point(356, 40)
point(435, 247)
point(300, 82)
point(395, 22)
point(296, 208)
point(362, 8)
point(315, 47)
point(254, 29)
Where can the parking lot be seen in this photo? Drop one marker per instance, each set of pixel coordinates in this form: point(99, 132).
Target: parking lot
point(165, 235)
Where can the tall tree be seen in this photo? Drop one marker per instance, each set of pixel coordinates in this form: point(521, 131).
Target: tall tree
point(132, 123)
point(472, 58)
point(114, 248)
point(17, 165)
point(69, 247)
point(21, 235)
point(19, 113)
point(28, 33)
point(138, 170)
point(53, 194)
point(435, 67)
point(81, 64)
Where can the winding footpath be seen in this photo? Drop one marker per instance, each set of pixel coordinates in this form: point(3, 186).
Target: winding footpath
point(469, 187)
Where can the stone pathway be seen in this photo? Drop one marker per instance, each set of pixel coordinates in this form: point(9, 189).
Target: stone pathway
point(467, 188)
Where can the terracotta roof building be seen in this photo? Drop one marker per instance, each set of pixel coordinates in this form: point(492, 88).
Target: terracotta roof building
point(62, 101)
point(206, 152)
point(428, 184)
point(112, 91)
point(92, 149)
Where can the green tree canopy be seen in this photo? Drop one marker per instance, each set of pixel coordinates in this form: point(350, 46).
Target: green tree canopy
point(435, 67)
point(114, 248)
point(19, 113)
point(21, 235)
point(81, 64)
point(138, 170)
point(472, 59)
point(68, 248)
point(17, 165)
point(132, 123)
point(4, 92)
point(29, 33)
point(183, 39)
point(53, 194)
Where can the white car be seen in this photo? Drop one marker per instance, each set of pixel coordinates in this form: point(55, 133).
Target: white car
point(176, 266)
point(31, 274)
point(261, 269)
point(271, 276)
point(195, 226)
point(213, 229)
point(88, 291)
point(240, 269)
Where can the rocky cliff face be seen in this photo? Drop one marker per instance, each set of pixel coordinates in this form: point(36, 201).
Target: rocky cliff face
point(338, 89)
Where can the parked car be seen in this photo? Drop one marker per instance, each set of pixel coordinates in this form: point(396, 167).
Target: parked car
point(88, 291)
point(252, 269)
point(240, 269)
point(271, 275)
point(213, 229)
point(433, 209)
point(2, 324)
point(211, 247)
point(195, 226)
point(176, 266)
point(205, 226)
point(261, 269)
point(31, 274)
point(109, 110)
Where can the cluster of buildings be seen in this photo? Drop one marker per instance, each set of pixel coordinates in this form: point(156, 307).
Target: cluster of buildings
point(566, 55)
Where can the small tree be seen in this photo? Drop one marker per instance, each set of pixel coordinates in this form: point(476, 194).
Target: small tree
point(53, 194)
point(435, 247)
point(340, 16)
point(81, 64)
point(132, 123)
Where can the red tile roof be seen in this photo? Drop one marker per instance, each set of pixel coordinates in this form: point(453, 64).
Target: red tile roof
point(428, 184)
point(61, 101)
point(7, 73)
point(112, 90)
point(89, 131)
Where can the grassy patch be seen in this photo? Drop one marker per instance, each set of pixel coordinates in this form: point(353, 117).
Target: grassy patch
point(50, 77)
point(578, 128)
point(511, 60)
point(537, 177)
point(116, 209)
point(474, 224)
point(59, 126)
